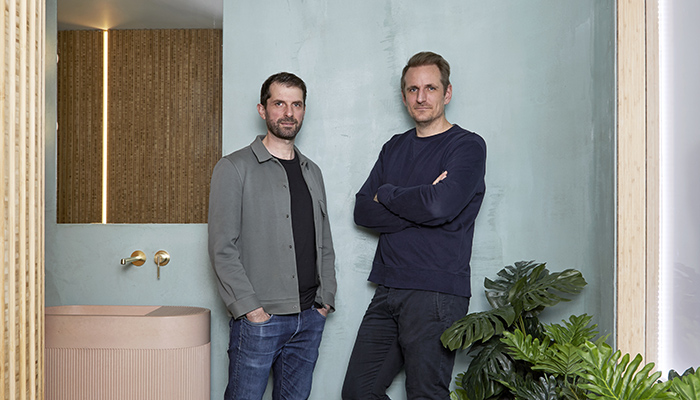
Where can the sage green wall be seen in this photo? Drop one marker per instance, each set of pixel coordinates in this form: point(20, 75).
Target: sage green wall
point(82, 260)
point(535, 79)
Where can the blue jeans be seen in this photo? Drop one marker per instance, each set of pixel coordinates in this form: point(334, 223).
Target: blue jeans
point(287, 345)
point(402, 328)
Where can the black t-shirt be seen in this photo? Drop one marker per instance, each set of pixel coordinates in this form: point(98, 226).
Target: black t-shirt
point(303, 230)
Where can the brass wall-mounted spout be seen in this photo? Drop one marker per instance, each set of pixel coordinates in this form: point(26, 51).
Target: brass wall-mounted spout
point(137, 258)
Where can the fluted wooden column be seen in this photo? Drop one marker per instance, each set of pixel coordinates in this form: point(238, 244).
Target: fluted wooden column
point(22, 199)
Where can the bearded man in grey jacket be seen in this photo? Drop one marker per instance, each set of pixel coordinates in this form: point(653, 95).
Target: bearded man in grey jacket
point(271, 248)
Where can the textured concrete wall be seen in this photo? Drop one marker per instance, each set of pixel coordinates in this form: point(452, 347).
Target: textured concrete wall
point(535, 79)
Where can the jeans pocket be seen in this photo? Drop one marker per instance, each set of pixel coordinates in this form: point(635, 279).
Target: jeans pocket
point(317, 310)
point(451, 307)
point(266, 322)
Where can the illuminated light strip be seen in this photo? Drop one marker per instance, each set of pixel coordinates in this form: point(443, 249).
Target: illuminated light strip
point(105, 92)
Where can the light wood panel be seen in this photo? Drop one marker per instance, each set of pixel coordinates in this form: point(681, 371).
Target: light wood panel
point(80, 121)
point(637, 220)
point(164, 124)
point(653, 203)
point(22, 199)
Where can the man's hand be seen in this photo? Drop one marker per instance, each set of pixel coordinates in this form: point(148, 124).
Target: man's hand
point(442, 176)
point(258, 315)
point(439, 178)
point(325, 310)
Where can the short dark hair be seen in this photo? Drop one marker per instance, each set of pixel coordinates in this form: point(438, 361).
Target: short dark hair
point(283, 78)
point(428, 58)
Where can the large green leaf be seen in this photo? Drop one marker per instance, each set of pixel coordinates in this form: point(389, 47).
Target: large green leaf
point(673, 374)
point(497, 290)
point(551, 358)
point(570, 391)
point(545, 388)
point(529, 286)
point(561, 359)
point(524, 347)
point(576, 331)
point(607, 376)
point(480, 326)
point(687, 387)
point(490, 361)
point(541, 288)
point(563, 356)
point(459, 394)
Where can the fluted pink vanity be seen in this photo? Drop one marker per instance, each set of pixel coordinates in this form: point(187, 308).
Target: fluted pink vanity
point(127, 352)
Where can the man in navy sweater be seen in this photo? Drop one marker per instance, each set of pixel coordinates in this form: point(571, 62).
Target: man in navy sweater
point(422, 196)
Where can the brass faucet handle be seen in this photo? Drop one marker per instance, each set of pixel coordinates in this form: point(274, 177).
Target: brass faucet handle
point(162, 258)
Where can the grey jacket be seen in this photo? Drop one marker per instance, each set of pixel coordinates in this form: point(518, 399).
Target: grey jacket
point(251, 245)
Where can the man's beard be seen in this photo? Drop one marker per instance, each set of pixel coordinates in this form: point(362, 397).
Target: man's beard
point(425, 120)
point(276, 128)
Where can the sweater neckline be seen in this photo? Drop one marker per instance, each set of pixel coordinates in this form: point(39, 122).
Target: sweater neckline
point(433, 137)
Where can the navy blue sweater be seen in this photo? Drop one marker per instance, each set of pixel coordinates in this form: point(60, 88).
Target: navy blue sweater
point(425, 230)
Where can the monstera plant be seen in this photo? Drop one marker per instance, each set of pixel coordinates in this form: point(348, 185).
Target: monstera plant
point(687, 386)
point(517, 296)
point(515, 357)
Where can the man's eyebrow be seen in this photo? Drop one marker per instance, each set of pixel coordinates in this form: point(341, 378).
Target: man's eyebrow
point(425, 85)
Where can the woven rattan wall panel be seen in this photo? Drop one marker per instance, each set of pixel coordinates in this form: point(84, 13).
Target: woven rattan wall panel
point(164, 124)
point(80, 88)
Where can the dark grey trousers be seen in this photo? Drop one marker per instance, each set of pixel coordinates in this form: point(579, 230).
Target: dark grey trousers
point(402, 328)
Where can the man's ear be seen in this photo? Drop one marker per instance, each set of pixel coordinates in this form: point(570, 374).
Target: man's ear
point(261, 111)
point(403, 97)
point(448, 94)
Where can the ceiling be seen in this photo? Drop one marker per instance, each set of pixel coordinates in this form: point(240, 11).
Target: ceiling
point(139, 14)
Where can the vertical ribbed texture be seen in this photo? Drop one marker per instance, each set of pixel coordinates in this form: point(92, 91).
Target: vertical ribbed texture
point(128, 374)
point(22, 199)
point(80, 88)
point(164, 124)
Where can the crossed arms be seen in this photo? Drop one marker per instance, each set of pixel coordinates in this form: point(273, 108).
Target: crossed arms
point(388, 208)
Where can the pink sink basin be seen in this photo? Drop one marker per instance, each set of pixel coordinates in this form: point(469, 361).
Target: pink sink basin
point(127, 353)
point(128, 327)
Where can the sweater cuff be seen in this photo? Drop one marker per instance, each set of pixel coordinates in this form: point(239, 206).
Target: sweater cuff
point(384, 192)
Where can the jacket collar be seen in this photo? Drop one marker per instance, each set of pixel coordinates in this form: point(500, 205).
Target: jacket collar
point(263, 155)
